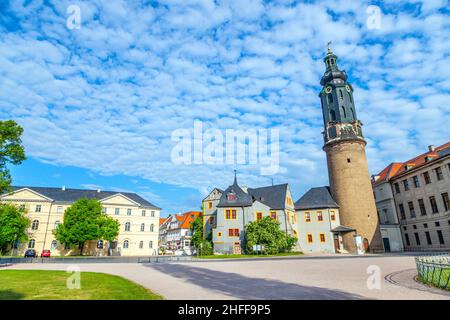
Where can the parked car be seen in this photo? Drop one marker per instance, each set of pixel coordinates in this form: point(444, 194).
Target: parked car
point(45, 254)
point(30, 253)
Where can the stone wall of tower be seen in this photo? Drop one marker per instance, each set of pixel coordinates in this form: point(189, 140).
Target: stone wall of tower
point(351, 188)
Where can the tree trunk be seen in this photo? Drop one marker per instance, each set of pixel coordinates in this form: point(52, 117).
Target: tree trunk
point(81, 248)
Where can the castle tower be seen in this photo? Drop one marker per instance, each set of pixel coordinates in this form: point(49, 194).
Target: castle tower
point(348, 171)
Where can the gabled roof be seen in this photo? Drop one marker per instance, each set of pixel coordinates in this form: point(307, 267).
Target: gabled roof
point(272, 196)
point(316, 198)
point(188, 218)
point(162, 220)
point(387, 172)
point(71, 195)
point(243, 199)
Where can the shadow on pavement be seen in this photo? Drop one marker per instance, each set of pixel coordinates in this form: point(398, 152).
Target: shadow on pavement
point(241, 287)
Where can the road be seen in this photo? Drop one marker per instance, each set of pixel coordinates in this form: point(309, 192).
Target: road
point(307, 277)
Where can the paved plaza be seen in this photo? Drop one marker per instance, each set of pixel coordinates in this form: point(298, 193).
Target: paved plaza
point(307, 277)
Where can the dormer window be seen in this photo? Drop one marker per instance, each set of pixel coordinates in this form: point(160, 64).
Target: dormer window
point(231, 196)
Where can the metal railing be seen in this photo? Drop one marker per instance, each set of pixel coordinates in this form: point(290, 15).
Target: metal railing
point(434, 270)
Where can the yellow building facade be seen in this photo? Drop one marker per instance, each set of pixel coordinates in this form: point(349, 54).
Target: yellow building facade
point(138, 218)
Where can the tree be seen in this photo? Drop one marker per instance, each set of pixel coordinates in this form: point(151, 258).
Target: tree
point(109, 229)
point(11, 151)
point(203, 246)
point(267, 232)
point(84, 221)
point(13, 226)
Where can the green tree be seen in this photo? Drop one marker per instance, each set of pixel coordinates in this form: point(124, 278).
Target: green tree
point(13, 226)
point(84, 221)
point(11, 151)
point(203, 246)
point(267, 232)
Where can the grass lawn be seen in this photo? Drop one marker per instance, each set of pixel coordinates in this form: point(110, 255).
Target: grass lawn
point(51, 285)
point(240, 256)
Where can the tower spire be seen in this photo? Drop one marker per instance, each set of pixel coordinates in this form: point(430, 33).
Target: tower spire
point(235, 179)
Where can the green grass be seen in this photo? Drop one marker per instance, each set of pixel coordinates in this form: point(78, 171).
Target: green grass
point(51, 285)
point(243, 256)
point(437, 279)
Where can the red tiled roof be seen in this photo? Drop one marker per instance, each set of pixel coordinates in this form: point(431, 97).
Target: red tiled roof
point(397, 168)
point(188, 218)
point(162, 220)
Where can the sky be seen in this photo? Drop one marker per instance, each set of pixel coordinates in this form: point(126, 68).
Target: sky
point(99, 102)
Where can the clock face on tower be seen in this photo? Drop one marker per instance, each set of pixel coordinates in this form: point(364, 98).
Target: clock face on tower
point(347, 87)
point(328, 89)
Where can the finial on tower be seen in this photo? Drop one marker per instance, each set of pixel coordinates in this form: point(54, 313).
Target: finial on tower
point(328, 48)
point(235, 179)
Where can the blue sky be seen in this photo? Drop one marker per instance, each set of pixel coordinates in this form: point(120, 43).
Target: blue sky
point(99, 103)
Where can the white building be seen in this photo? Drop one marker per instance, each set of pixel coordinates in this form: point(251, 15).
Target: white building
point(175, 233)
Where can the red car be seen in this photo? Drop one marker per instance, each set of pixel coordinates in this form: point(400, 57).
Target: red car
point(45, 254)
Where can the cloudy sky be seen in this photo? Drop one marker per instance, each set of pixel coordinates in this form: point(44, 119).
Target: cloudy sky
point(99, 103)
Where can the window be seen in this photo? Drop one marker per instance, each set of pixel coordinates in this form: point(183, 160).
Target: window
point(233, 232)
point(319, 216)
point(426, 177)
point(31, 244)
point(425, 225)
point(332, 115)
point(35, 225)
point(412, 212)
point(259, 216)
point(38, 208)
point(230, 214)
point(53, 245)
point(152, 213)
point(427, 234)
point(406, 184)
point(273, 215)
point(211, 220)
point(143, 213)
point(440, 237)
point(433, 204)
point(113, 245)
point(309, 238)
point(22, 207)
point(209, 205)
point(104, 210)
point(446, 201)
point(414, 227)
point(127, 226)
point(397, 188)
point(150, 244)
point(141, 244)
point(307, 217)
point(416, 181)
point(423, 210)
point(332, 216)
point(407, 239)
point(57, 223)
point(437, 224)
point(322, 237)
point(152, 227)
point(219, 234)
point(416, 235)
point(402, 211)
point(117, 211)
point(59, 209)
point(231, 196)
point(142, 226)
point(350, 97)
point(330, 98)
point(343, 113)
point(126, 244)
point(439, 175)
point(128, 212)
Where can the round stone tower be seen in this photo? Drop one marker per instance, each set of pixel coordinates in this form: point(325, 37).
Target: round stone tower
point(348, 171)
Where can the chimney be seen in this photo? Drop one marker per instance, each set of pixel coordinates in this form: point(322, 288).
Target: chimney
point(431, 148)
point(63, 188)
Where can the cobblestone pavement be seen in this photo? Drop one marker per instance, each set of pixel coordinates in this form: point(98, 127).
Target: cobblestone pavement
point(303, 278)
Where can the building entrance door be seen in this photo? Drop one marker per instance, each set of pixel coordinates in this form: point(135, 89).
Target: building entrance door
point(387, 245)
point(336, 244)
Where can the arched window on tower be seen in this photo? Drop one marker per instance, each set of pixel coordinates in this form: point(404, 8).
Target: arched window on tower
point(350, 97)
point(330, 98)
point(340, 92)
point(353, 113)
point(332, 115)
point(343, 114)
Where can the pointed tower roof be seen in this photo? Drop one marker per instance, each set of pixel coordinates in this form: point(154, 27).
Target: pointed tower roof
point(332, 71)
point(234, 196)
